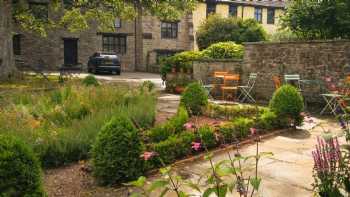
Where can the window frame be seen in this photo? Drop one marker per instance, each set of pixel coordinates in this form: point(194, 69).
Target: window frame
point(114, 43)
point(169, 30)
point(271, 18)
point(211, 8)
point(230, 9)
point(16, 44)
point(258, 16)
point(43, 16)
point(117, 23)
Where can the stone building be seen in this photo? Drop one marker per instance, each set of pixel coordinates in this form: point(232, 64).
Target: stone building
point(154, 38)
point(139, 43)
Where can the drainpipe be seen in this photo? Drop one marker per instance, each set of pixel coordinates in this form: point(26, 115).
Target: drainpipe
point(135, 36)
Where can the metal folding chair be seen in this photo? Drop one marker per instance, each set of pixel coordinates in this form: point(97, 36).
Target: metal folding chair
point(208, 88)
point(294, 80)
point(246, 90)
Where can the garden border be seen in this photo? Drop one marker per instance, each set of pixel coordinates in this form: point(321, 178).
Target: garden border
point(201, 156)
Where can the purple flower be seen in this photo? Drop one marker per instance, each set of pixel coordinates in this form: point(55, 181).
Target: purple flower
point(342, 123)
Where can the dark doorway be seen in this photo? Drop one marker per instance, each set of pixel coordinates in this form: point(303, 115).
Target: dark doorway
point(70, 51)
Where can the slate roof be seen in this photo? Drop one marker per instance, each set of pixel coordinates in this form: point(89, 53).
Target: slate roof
point(263, 3)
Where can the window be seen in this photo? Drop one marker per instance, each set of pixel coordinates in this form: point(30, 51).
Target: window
point(270, 16)
point(211, 8)
point(117, 23)
point(169, 29)
point(40, 11)
point(258, 14)
point(16, 42)
point(232, 10)
point(114, 43)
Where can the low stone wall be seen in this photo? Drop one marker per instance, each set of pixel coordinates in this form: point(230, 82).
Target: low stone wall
point(204, 69)
point(312, 60)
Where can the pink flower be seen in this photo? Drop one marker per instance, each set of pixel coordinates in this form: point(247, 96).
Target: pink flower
point(147, 155)
point(328, 79)
point(303, 114)
point(253, 131)
point(189, 126)
point(196, 146)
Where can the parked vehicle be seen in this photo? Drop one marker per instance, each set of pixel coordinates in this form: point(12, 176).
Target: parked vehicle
point(104, 62)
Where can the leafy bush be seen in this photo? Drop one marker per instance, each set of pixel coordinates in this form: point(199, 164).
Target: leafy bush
point(20, 172)
point(207, 136)
point(171, 127)
point(180, 60)
point(228, 112)
point(115, 154)
point(224, 50)
point(147, 85)
point(242, 126)
point(287, 103)
point(227, 131)
point(218, 29)
point(194, 98)
point(90, 80)
point(268, 120)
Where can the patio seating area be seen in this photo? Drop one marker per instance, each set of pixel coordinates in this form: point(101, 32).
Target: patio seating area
point(227, 88)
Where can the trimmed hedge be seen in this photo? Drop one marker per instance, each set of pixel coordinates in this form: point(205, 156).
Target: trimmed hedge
point(224, 50)
point(90, 80)
point(207, 136)
point(116, 152)
point(20, 171)
point(288, 103)
point(230, 112)
point(195, 98)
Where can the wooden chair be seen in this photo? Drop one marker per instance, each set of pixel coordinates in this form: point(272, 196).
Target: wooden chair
point(276, 81)
point(220, 74)
point(231, 83)
point(218, 80)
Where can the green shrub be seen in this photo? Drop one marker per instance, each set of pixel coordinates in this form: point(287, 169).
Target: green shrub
point(115, 154)
point(268, 120)
point(90, 80)
point(20, 172)
point(207, 136)
point(229, 112)
point(171, 127)
point(287, 103)
point(171, 149)
point(180, 60)
point(242, 126)
point(222, 29)
point(227, 131)
point(224, 50)
point(148, 86)
point(194, 98)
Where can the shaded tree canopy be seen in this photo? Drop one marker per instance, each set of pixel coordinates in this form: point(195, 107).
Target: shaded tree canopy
point(77, 15)
point(318, 19)
point(218, 29)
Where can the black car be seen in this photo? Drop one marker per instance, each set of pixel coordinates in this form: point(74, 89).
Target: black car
point(104, 62)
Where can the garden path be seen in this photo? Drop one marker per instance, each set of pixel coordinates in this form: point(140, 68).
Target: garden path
point(288, 172)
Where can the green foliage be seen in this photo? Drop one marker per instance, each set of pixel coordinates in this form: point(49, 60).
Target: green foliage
point(171, 127)
point(90, 80)
point(20, 171)
point(314, 19)
point(268, 120)
point(287, 103)
point(148, 86)
point(80, 15)
point(116, 152)
point(218, 29)
point(224, 50)
point(242, 126)
point(227, 131)
point(195, 98)
point(173, 148)
point(208, 137)
point(181, 60)
point(232, 111)
point(61, 125)
point(284, 35)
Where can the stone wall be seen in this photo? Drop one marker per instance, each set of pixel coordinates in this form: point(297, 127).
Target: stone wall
point(312, 60)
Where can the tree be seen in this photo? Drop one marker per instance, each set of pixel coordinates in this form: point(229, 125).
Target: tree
point(218, 29)
point(79, 15)
point(318, 19)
